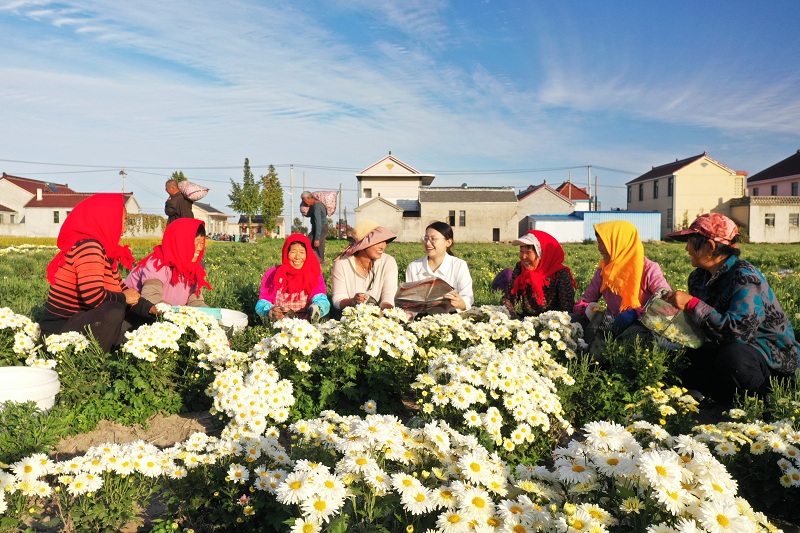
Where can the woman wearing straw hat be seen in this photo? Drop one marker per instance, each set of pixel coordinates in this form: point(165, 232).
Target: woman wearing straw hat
point(750, 338)
point(364, 273)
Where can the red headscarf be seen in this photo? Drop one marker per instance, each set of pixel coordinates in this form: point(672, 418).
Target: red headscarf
point(177, 250)
point(293, 280)
point(98, 217)
point(550, 262)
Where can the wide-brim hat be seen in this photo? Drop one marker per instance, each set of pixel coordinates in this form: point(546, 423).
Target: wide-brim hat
point(714, 226)
point(368, 233)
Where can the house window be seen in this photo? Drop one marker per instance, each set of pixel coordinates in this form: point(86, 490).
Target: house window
point(773, 191)
point(451, 219)
point(462, 218)
point(669, 219)
point(495, 234)
point(670, 185)
point(794, 220)
point(11, 217)
point(655, 189)
point(769, 220)
point(641, 192)
point(794, 188)
point(630, 193)
point(367, 193)
point(55, 217)
point(1, 218)
point(755, 191)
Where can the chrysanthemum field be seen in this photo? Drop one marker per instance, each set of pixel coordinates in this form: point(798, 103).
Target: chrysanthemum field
point(471, 422)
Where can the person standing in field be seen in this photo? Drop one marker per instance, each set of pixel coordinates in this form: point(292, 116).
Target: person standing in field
point(177, 205)
point(319, 224)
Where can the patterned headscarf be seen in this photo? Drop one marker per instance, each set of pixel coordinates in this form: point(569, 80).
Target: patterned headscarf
point(622, 274)
point(99, 217)
point(177, 250)
point(551, 260)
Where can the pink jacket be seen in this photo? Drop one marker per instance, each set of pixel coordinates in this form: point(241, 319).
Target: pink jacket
point(652, 280)
point(269, 288)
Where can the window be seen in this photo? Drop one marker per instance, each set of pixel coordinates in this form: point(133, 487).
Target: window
point(641, 192)
point(669, 219)
point(670, 185)
point(755, 191)
point(367, 193)
point(655, 189)
point(55, 217)
point(794, 220)
point(496, 234)
point(630, 193)
point(451, 219)
point(773, 191)
point(12, 218)
point(769, 220)
point(1, 218)
point(462, 218)
point(794, 188)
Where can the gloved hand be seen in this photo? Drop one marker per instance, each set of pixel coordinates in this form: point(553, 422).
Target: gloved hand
point(591, 309)
point(623, 321)
point(314, 313)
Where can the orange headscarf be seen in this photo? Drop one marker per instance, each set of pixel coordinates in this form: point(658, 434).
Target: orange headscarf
point(99, 217)
point(177, 250)
point(622, 274)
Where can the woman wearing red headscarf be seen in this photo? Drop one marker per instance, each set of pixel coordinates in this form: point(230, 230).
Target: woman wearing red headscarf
point(173, 273)
point(86, 291)
point(296, 286)
point(540, 282)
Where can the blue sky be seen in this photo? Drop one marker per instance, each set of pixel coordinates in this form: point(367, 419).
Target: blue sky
point(487, 93)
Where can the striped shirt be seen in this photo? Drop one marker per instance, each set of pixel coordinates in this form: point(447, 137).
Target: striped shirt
point(85, 281)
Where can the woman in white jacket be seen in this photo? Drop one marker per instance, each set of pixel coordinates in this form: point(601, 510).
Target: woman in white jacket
point(439, 262)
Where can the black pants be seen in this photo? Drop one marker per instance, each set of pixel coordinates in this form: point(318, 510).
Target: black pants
point(720, 371)
point(104, 322)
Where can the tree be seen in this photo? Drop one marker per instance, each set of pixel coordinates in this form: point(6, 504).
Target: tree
point(246, 197)
point(178, 176)
point(271, 199)
point(298, 227)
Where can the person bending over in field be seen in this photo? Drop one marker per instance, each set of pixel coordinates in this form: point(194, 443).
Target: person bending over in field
point(625, 279)
point(750, 338)
point(296, 286)
point(364, 273)
point(173, 273)
point(86, 290)
point(540, 282)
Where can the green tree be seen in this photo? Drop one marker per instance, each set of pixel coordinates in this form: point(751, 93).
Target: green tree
point(178, 176)
point(246, 197)
point(298, 227)
point(271, 199)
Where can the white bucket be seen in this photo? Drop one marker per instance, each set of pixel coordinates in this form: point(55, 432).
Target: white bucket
point(25, 384)
point(236, 320)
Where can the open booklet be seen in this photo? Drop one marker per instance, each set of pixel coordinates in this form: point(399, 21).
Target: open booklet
point(424, 296)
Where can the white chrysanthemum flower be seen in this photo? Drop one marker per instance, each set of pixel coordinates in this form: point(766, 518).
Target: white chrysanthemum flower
point(661, 468)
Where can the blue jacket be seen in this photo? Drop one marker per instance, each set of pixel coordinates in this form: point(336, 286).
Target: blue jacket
point(738, 305)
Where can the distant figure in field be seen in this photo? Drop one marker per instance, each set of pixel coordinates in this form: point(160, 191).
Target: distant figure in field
point(177, 205)
point(86, 290)
point(540, 282)
point(319, 224)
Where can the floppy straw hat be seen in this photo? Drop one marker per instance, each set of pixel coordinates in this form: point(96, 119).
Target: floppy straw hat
point(366, 233)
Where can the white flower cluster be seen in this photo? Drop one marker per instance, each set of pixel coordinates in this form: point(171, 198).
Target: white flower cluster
point(780, 438)
point(508, 394)
point(294, 334)
point(25, 248)
point(26, 332)
point(374, 330)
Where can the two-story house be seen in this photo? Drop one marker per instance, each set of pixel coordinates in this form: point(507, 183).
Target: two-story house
point(683, 190)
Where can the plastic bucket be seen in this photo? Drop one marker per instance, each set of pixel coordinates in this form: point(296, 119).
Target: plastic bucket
point(235, 320)
point(25, 384)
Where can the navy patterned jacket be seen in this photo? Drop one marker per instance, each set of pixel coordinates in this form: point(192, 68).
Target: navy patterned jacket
point(738, 305)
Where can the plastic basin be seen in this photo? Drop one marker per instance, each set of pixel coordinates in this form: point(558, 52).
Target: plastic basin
point(26, 384)
point(235, 320)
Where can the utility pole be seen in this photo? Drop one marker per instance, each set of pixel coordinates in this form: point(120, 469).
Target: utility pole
point(339, 223)
point(589, 184)
point(595, 192)
point(123, 173)
point(291, 196)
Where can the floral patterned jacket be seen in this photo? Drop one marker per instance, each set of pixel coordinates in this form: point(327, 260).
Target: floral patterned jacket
point(559, 295)
point(738, 305)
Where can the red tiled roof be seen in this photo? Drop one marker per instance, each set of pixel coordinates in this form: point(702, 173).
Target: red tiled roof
point(5, 209)
point(788, 167)
point(31, 185)
point(63, 200)
point(571, 191)
point(533, 188)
